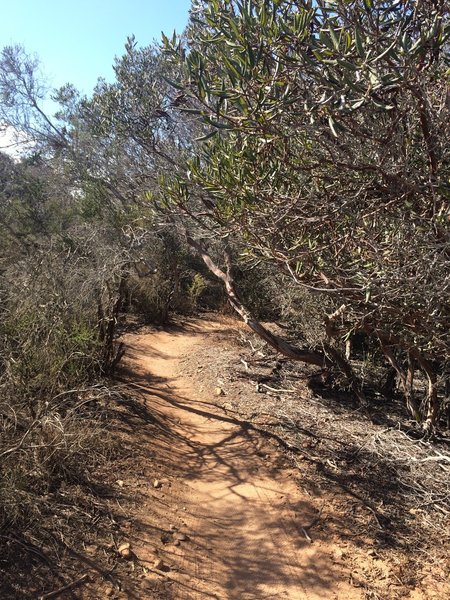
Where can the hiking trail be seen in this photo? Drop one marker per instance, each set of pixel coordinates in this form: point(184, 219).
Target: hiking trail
point(221, 519)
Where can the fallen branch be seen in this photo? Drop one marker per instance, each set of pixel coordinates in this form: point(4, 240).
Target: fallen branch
point(436, 457)
point(28, 547)
point(278, 391)
point(245, 363)
point(305, 533)
point(59, 591)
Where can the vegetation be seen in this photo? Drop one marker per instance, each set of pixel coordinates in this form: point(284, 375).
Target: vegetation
point(296, 152)
point(58, 295)
point(327, 128)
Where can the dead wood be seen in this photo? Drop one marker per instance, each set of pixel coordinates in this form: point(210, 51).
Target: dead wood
point(65, 588)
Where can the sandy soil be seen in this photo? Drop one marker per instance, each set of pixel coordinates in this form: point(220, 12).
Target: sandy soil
point(222, 516)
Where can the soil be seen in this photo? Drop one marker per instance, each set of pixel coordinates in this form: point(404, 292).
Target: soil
point(238, 478)
point(223, 516)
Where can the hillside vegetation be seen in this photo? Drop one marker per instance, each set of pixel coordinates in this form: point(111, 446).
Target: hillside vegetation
point(290, 160)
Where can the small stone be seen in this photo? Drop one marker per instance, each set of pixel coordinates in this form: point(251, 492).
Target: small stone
point(180, 537)
point(125, 550)
point(176, 543)
point(160, 565)
point(120, 483)
point(91, 549)
point(219, 391)
point(157, 484)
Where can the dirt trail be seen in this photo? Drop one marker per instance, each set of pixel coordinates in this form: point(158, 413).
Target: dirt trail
point(245, 520)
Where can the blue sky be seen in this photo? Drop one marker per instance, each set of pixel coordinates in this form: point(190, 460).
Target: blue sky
point(77, 40)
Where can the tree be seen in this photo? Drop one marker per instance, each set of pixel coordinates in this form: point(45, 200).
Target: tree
point(327, 154)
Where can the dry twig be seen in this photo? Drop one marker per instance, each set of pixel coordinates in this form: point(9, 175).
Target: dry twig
point(60, 590)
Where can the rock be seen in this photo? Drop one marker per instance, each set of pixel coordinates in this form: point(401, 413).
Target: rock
point(91, 549)
point(120, 483)
point(125, 550)
point(219, 391)
point(180, 537)
point(160, 565)
point(157, 484)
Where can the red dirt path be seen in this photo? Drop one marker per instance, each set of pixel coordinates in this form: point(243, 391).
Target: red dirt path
point(236, 522)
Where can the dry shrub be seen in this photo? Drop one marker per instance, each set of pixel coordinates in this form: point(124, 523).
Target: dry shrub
point(39, 455)
point(56, 305)
point(168, 279)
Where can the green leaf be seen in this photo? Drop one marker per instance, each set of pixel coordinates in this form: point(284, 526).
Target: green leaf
point(334, 38)
point(326, 40)
point(359, 44)
point(192, 111)
point(208, 136)
point(385, 52)
point(172, 83)
point(217, 124)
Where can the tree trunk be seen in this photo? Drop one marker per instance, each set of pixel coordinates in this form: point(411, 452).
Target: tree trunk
point(432, 413)
point(406, 380)
point(278, 343)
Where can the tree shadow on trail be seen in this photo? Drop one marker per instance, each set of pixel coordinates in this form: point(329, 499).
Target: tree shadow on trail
point(373, 486)
point(255, 546)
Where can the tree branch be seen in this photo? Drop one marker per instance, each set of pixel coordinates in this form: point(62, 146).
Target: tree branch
point(278, 343)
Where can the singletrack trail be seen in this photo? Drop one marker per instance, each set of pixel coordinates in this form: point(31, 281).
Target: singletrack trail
point(243, 520)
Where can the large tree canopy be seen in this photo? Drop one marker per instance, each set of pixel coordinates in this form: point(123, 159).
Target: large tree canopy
point(327, 152)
